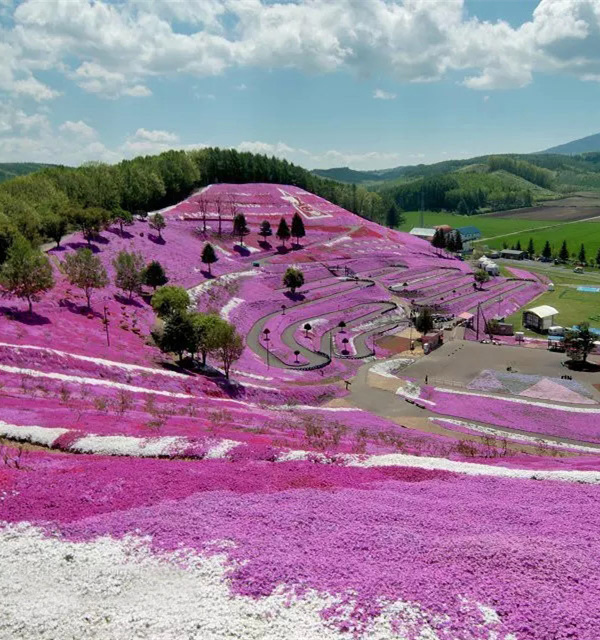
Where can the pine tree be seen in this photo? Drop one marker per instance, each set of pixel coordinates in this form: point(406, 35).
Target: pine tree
point(240, 227)
point(27, 272)
point(598, 257)
point(283, 231)
point(298, 230)
point(458, 242)
point(530, 248)
point(563, 254)
point(547, 251)
point(154, 275)
point(392, 218)
point(518, 246)
point(581, 256)
point(209, 257)
point(85, 270)
point(265, 230)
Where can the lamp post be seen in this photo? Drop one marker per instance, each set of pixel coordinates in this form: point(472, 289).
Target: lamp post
point(266, 333)
point(296, 353)
point(106, 325)
point(283, 308)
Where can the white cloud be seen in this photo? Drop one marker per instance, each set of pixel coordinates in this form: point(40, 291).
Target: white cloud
point(78, 129)
point(113, 49)
point(240, 87)
point(380, 94)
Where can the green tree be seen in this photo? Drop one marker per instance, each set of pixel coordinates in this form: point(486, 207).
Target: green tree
point(424, 321)
point(27, 272)
point(228, 345)
point(563, 254)
point(283, 231)
point(458, 241)
point(123, 218)
point(205, 333)
point(209, 257)
point(240, 227)
point(84, 270)
point(293, 279)
point(518, 246)
point(530, 248)
point(581, 256)
point(481, 276)
point(177, 335)
point(154, 275)
point(89, 221)
point(265, 230)
point(439, 239)
point(297, 230)
point(129, 272)
point(169, 299)
point(547, 251)
point(598, 257)
point(579, 343)
point(392, 217)
point(55, 227)
point(157, 222)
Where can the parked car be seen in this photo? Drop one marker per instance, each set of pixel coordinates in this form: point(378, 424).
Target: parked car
point(578, 270)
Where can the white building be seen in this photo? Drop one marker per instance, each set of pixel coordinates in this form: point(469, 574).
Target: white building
point(423, 233)
point(540, 318)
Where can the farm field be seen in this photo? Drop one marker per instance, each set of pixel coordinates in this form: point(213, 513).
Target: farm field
point(488, 225)
point(572, 208)
point(328, 490)
point(575, 233)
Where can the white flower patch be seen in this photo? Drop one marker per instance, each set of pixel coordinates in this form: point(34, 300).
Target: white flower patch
point(101, 361)
point(221, 449)
point(196, 291)
point(222, 250)
point(33, 434)
point(516, 437)
point(473, 468)
point(91, 381)
point(250, 248)
point(128, 446)
point(335, 241)
point(230, 306)
point(119, 589)
point(254, 376)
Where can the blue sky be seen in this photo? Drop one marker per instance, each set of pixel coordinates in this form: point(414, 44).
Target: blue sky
point(364, 83)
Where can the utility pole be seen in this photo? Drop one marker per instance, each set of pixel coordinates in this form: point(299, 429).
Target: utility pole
point(422, 219)
point(478, 314)
point(106, 327)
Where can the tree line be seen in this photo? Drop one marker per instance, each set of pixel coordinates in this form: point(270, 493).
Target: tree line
point(563, 254)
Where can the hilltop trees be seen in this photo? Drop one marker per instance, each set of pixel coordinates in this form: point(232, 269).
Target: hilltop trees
point(265, 230)
point(240, 227)
point(129, 269)
point(454, 241)
point(157, 222)
point(283, 231)
point(439, 239)
point(297, 230)
point(27, 272)
point(209, 257)
point(154, 275)
point(293, 279)
point(169, 299)
point(84, 270)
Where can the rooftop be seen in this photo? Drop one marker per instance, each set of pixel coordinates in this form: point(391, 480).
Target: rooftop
point(422, 231)
point(468, 230)
point(543, 311)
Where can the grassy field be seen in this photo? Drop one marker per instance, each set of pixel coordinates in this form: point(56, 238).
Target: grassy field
point(573, 307)
point(574, 233)
point(486, 224)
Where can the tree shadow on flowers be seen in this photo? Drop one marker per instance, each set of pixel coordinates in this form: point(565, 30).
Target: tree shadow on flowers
point(242, 251)
point(32, 319)
point(156, 239)
point(131, 302)
point(295, 297)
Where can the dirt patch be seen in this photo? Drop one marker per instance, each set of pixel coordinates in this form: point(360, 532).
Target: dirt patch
point(573, 208)
point(394, 344)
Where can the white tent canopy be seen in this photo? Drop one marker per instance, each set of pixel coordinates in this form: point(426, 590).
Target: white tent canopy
point(543, 311)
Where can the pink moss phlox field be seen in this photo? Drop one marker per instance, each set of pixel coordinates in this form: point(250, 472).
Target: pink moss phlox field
point(368, 536)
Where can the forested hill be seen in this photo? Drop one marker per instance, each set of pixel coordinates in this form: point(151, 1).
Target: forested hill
point(40, 205)
point(10, 170)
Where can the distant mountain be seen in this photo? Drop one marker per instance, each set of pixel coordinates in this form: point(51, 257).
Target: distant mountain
point(10, 170)
point(345, 174)
point(583, 145)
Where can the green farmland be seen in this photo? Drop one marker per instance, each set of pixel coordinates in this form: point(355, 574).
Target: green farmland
point(575, 233)
point(488, 225)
